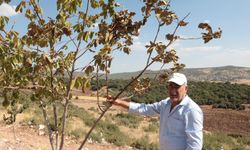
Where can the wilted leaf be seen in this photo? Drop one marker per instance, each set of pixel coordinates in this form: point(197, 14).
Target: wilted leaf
point(162, 3)
point(182, 23)
point(205, 26)
point(217, 34)
point(66, 31)
point(89, 70)
point(126, 50)
point(207, 37)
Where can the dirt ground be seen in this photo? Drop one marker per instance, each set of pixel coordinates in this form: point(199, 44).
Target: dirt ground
point(19, 137)
point(231, 121)
point(27, 138)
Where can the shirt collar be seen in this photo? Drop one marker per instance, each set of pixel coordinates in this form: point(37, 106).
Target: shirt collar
point(184, 101)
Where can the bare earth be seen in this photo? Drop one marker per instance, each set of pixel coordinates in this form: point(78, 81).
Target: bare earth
point(231, 121)
point(27, 138)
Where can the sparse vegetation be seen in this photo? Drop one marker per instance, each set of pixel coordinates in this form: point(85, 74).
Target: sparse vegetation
point(129, 120)
point(152, 127)
point(217, 140)
point(225, 95)
point(112, 134)
point(77, 133)
point(143, 144)
point(109, 130)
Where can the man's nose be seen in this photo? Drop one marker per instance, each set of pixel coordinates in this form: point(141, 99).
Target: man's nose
point(173, 90)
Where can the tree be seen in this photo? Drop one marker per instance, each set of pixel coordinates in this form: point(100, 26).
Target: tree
point(38, 60)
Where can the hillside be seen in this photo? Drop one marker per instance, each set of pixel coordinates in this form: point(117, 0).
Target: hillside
point(226, 73)
point(229, 128)
point(223, 74)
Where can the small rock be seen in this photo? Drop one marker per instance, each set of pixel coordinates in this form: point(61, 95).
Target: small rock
point(9, 148)
point(90, 140)
point(41, 127)
point(41, 130)
point(41, 133)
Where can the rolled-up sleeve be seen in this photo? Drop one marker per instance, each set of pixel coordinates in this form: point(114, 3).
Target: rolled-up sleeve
point(145, 109)
point(193, 129)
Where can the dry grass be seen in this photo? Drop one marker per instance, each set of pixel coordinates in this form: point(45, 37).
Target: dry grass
point(228, 121)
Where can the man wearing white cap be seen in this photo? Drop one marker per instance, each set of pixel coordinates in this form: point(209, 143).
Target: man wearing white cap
point(181, 119)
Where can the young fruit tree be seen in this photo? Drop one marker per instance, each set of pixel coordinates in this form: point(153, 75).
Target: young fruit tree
point(47, 60)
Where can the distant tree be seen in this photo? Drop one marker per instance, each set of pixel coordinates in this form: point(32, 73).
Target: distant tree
point(47, 54)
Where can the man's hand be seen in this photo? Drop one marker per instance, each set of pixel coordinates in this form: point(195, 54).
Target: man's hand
point(122, 102)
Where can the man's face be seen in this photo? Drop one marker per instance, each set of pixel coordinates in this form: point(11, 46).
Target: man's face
point(176, 92)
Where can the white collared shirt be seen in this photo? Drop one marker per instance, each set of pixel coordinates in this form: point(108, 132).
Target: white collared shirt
point(180, 129)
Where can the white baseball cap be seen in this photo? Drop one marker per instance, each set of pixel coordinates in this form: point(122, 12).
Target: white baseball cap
point(178, 78)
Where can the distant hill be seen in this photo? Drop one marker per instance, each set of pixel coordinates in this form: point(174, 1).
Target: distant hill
point(223, 74)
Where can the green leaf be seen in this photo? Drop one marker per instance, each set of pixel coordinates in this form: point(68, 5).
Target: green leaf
point(20, 6)
point(3, 20)
point(29, 14)
point(86, 36)
point(78, 82)
point(72, 84)
point(87, 83)
point(80, 35)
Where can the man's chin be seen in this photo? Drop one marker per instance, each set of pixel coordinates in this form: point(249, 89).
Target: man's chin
point(174, 99)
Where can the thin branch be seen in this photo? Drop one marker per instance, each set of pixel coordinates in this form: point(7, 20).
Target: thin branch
point(30, 87)
point(118, 95)
point(175, 30)
point(107, 108)
point(106, 78)
point(88, 64)
point(157, 33)
point(97, 92)
point(56, 124)
point(37, 14)
point(193, 38)
point(159, 71)
point(87, 49)
point(68, 88)
point(45, 116)
point(12, 27)
point(74, 42)
point(66, 43)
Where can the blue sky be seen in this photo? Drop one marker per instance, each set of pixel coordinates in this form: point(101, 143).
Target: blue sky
point(233, 48)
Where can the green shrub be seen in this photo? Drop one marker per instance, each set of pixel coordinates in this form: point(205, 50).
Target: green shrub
point(239, 148)
point(143, 144)
point(129, 120)
point(77, 133)
point(112, 134)
point(82, 114)
point(232, 141)
point(93, 109)
point(96, 137)
point(152, 127)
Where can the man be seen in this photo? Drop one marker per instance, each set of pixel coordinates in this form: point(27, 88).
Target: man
point(181, 119)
